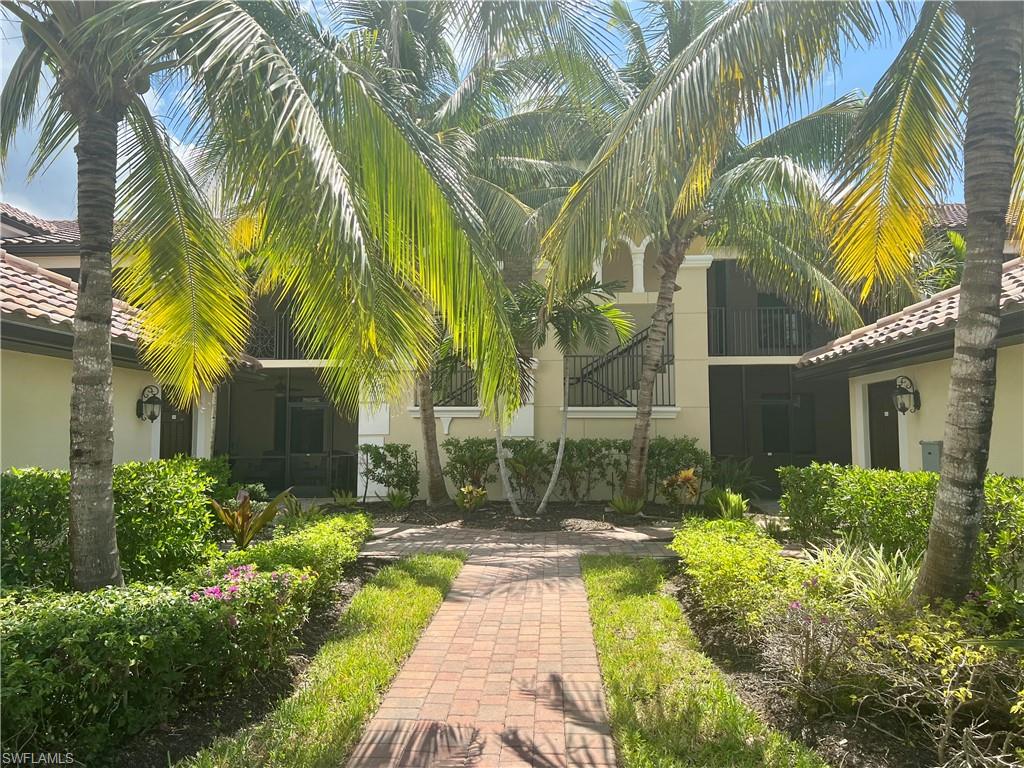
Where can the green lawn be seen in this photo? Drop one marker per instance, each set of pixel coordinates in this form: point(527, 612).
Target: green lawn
point(670, 706)
point(321, 722)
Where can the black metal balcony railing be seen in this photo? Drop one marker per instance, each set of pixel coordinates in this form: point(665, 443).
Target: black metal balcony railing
point(453, 387)
point(760, 331)
point(613, 379)
point(273, 340)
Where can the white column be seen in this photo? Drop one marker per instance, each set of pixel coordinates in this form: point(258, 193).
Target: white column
point(374, 426)
point(599, 269)
point(202, 424)
point(638, 270)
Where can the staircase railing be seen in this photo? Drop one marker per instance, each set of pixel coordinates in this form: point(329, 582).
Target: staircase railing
point(613, 379)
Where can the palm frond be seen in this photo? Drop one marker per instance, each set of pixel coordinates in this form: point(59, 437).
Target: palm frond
point(817, 140)
point(904, 152)
point(19, 95)
point(786, 253)
point(175, 265)
point(752, 63)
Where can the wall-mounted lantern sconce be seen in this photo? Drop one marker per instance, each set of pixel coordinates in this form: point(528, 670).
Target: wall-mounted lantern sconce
point(905, 397)
point(147, 407)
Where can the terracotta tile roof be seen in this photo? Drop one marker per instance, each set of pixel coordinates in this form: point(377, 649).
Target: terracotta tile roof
point(45, 231)
point(932, 314)
point(29, 291)
point(954, 216)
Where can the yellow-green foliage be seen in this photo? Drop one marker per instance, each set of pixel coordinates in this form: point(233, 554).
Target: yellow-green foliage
point(670, 706)
point(735, 568)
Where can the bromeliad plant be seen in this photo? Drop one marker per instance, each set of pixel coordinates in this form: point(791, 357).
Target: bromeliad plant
point(244, 520)
point(470, 497)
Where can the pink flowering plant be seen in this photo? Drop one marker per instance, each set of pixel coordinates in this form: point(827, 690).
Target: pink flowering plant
point(259, 610)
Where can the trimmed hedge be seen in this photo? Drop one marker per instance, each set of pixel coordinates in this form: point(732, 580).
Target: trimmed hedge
point(84, 671)
point(736, 569)
point(879, 506)
point(162, 511)
point(326, 548)
point(591, 468)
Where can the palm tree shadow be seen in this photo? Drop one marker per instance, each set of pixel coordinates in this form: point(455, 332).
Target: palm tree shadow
point(583, 710)
point(419, 744)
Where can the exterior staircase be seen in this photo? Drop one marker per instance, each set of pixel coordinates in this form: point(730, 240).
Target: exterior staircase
point(613, 379)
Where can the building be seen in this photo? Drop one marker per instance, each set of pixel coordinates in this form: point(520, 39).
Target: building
point(913, 350)
point(38, 270)
point(730, 378)
point(727, 379)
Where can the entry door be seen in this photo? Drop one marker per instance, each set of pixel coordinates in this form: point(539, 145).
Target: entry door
point(309, 448)
point(883, 429)
point(175, 431)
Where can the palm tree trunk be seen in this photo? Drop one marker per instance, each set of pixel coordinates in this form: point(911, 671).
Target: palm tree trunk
point(988, 167)
point(506, 484)
point(636, 468)
point(95, 561)
point(561, 447)
point(437, 493)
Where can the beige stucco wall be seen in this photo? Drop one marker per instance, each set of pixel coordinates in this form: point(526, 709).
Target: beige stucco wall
point(691, 416)
point(35, 397)
point(932, 381)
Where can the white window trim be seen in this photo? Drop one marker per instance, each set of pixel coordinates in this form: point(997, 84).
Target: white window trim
point(446, 413)
point(620, 412)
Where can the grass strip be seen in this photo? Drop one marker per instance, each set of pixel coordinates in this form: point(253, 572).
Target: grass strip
point(670, 705)
point(320, 723)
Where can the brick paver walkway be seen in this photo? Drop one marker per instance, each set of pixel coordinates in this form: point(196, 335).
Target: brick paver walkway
point(506, 674)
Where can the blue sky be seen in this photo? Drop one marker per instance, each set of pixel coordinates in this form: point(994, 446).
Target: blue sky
point(52, 194)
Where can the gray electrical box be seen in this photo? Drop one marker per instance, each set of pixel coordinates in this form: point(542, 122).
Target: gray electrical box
point(931, 455)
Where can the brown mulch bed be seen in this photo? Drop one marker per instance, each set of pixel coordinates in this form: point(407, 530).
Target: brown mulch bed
point(498, 515)
point(840, 740)
point(196, 729)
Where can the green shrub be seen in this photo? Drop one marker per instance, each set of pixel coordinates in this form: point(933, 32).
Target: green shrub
point(587, 464)
point(875, 506)
point(893, 510)
point(470, 461)
point(529, 467)
point(325, 548)
point(735, 569)
point(999, 569)
point(393, 465)
point(34, 546)
point(163, 518)
point(84, 671)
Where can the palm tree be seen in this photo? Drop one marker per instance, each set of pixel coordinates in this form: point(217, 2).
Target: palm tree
point(956, 83)
point(274, 104)
point(582, 316)
point(94, 95)
point(514, 153)
point(674, 168)
point(757, 59)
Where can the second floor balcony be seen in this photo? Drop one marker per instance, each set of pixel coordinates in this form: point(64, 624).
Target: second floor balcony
point(761, 331)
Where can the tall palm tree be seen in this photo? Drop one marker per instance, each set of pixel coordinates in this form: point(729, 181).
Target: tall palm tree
point(757, 59)
point(275, 105)
point(515, 151)
point(954, 86)
point(674, 167)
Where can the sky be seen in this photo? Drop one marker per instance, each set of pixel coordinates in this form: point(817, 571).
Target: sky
point(52, 193)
